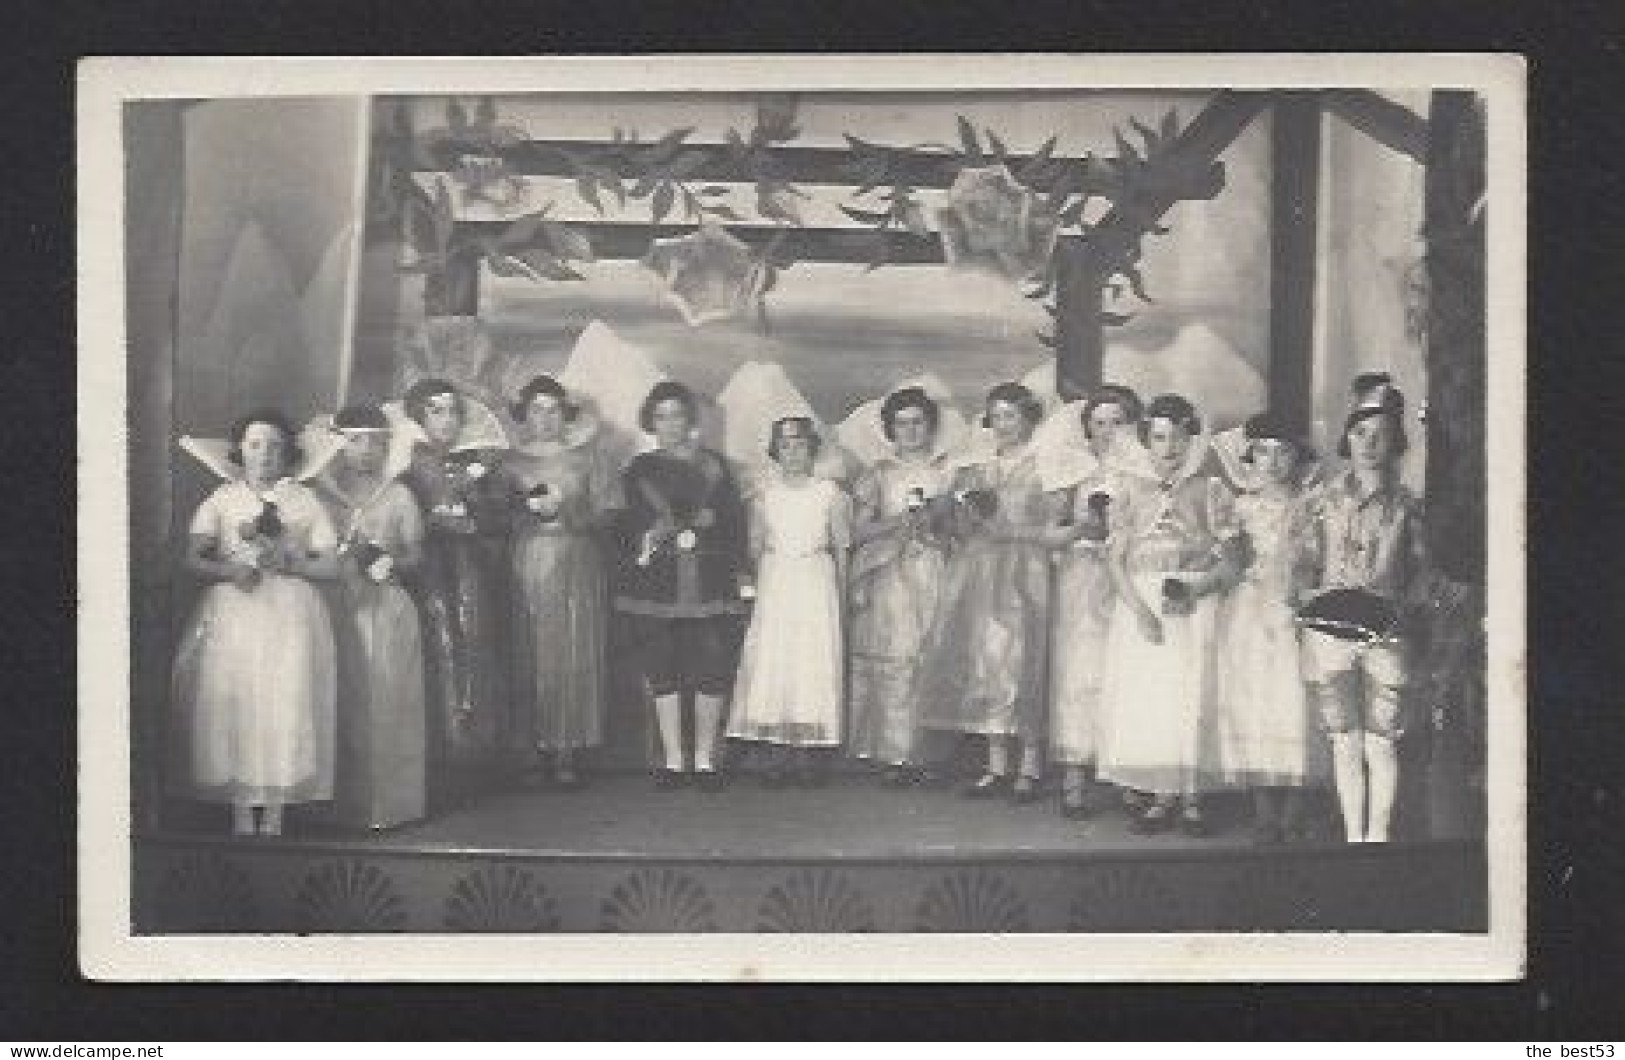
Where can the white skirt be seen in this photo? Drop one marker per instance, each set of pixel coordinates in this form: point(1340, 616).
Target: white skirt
point(1263, 711)
point(1156, 726)
point(788, 689)
point(254, 686)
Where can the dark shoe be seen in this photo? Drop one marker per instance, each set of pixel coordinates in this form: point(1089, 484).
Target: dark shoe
point(670, 779)
point(710, 781)
point(1135, 802)
point(1156, 818)
point(1024, 791)
point(1074, 807)
point(896, 777)
point(1193, 822)
point(987, 786)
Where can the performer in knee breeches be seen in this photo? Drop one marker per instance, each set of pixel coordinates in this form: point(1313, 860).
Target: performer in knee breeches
point(1363, 560)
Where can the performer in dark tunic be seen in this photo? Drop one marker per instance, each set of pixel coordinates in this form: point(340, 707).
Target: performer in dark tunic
point(452, 474)
point(682, 546)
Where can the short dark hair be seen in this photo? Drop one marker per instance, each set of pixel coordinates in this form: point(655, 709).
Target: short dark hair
point(1366, 382)
point(1025, 401)
point(1174, 407)
point(543, 384)
point(361, 418)
point(667, 390)
point(272, 417)
point(809, 430)
point(910, 397)
point(1111, 394)
point(417, 396)
point(1271, 426)
point(1396, 420)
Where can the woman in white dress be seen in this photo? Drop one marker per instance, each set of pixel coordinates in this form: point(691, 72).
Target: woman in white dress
point(788, 693)
point(255, 674)
point(1084, 598)
point(1171, 554)
point(1263, 707)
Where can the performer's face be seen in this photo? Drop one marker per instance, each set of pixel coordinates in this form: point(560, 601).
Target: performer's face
point(1007, 422)
point(364, 450)
point(795, 453)
point(546, 417)
point(442, 418)
point(671, 423)
point(1104, 422)
point(1274, 459)
point(910, 429)
point(1167, 442)
point(265, 452)
point(1371, 443)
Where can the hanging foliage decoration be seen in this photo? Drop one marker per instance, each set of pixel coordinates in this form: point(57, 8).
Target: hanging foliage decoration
point(1003, 211)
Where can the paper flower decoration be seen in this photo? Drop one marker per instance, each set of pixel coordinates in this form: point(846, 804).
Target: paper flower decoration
point(709, 275)
point(992, 222)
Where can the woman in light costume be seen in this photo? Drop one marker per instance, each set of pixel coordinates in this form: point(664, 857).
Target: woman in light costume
point(1089, 472)
point(984, 663)
point(1263, 712)
point(897, 572)
point(255, 674)
point(788, 693)
point(566, 495)
point(381, 766)
point(1172, 553)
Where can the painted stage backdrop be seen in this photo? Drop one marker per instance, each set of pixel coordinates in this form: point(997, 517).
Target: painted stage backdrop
point(322, 251)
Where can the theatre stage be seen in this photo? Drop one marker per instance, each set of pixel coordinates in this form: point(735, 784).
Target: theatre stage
point(620, 856)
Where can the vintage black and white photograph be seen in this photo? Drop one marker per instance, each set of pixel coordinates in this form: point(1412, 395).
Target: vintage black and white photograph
point(985, 496)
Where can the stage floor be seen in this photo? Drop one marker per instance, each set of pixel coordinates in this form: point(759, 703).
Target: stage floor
point(850, 818)
point(852, 856)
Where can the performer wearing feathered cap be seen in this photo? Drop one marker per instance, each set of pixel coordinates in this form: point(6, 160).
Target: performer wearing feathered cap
point(1362, 559)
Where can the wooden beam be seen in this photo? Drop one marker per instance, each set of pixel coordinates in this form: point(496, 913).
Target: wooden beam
point(1080, 339)
point(715, 163)
point(855, 245)
point(1115, 241)
point(1197, 149)
point(1385, 121)
point(1294, 213)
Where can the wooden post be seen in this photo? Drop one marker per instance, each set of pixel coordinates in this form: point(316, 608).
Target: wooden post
point(1456, 355)
point(1453, 668)
point(1080, 336)
point(1294, 209)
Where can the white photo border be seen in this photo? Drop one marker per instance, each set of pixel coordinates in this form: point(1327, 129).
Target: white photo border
point(110, 951)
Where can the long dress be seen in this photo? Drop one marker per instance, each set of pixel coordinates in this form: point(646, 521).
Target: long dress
point(381, 769)
point(1263, 713)
point(790, 678)
point(1082, 611)
point(459, 585)
point(560, 602)
point(895, 584)
point(1157, 700)
point(984, 661)
point(254, 677)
